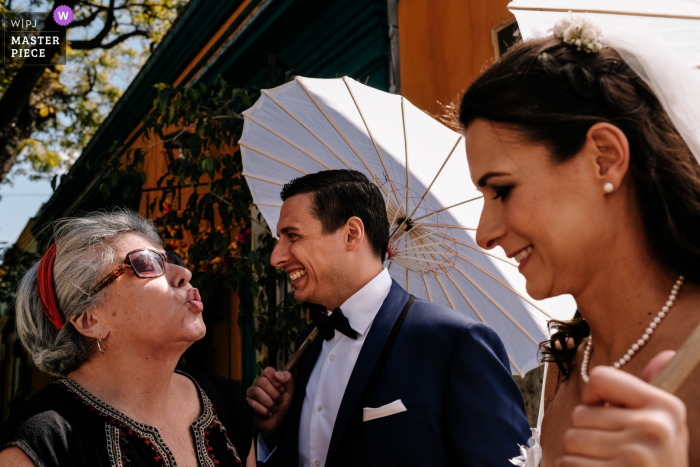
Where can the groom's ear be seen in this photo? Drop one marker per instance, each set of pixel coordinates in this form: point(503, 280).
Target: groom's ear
point(355, 233)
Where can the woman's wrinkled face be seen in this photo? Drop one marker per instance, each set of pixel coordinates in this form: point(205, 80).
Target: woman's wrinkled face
point(150, 314)
point(547, 216)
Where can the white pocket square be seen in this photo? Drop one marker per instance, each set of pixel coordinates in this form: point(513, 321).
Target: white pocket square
point(369, 413)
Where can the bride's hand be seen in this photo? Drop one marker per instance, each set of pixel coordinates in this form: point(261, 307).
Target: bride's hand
point(623, 421)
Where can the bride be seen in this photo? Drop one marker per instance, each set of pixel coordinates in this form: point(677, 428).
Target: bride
point(589, 184)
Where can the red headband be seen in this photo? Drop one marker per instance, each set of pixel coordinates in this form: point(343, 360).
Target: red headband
point(44, 282)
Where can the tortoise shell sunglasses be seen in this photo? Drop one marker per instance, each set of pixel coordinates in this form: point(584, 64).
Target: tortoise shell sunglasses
point(146, 264)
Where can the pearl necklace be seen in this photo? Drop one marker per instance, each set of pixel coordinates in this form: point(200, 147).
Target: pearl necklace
point(645, 337)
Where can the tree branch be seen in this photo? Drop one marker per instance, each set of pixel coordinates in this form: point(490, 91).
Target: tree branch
point(96, 41)
point(91, 44)
point(88, 19)
point(90, 4)
point(92, 79)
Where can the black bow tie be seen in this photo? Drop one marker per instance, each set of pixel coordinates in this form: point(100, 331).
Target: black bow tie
point(327, 324)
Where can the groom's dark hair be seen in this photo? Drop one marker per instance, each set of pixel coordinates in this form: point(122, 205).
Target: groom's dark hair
point(341, 194)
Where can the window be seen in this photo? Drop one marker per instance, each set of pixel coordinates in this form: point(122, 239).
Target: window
point(504, 35)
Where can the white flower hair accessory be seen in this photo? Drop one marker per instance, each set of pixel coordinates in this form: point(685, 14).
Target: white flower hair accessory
point(579, 30)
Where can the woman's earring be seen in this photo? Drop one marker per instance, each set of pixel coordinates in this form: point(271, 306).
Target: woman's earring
point(99, 344)
point(608, 187)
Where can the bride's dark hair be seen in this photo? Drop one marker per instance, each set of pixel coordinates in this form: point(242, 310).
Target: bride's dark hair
point(552, 94)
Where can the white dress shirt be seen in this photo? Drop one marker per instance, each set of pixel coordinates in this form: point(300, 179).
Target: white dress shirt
point(330, 376)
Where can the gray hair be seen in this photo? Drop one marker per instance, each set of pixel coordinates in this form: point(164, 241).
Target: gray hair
point(84, 254)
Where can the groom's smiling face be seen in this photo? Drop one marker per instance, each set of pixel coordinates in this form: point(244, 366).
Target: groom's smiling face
point(310, 258)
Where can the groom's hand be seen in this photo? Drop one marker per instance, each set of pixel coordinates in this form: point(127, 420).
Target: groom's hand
point(270, 397)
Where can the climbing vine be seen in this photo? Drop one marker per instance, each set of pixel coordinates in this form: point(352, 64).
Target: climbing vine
point(203, 209)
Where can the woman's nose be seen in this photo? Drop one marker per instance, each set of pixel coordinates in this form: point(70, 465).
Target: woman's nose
point(177, 275)
point(490, 229)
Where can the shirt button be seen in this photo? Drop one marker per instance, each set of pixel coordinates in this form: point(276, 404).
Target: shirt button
point(319, 407)
point(332, 357)
point(317, 463)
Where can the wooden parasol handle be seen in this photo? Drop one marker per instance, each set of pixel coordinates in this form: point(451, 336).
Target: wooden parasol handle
point(294, 359)
point(677, 370)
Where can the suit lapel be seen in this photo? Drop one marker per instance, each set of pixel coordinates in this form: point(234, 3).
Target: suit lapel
point(289, 454)
point(366, 361)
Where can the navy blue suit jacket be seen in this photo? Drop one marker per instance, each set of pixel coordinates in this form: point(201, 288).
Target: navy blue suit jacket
point(451, 373)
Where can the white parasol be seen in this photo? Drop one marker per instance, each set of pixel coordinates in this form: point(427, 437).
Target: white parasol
point(310, 125)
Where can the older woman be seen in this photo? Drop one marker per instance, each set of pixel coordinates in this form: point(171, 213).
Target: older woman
point(589, 184)
point(110, 313)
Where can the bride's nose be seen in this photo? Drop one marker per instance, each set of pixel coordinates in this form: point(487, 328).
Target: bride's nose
point(490, 229)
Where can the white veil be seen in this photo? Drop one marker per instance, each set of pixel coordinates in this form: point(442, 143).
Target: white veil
point(676, 86)
point(666, 57)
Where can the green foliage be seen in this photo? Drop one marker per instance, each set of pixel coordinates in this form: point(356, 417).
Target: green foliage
point(70, 102)
point(15, 263)
point(197, 130)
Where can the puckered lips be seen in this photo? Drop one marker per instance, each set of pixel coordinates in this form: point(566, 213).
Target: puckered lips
point(296, 274)
point(195, 300)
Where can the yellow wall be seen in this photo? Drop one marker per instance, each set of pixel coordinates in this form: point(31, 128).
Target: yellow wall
point(444, 45)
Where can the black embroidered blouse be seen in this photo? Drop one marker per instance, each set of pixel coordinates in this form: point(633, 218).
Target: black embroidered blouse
point(64, 425)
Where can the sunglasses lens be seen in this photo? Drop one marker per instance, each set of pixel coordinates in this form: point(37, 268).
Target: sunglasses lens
point(175, 259)
point(147, 264)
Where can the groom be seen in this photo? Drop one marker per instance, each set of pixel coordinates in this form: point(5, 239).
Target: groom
point(384, 383)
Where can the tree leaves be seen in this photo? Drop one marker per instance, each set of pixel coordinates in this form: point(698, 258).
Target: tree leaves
point(66, 104)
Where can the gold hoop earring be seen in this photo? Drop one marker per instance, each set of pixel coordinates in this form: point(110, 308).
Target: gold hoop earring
point(99, 344)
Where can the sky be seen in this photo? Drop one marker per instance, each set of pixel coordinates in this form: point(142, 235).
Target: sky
point(19, 203)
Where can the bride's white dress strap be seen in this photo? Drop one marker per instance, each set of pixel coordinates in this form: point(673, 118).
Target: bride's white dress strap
point(540, 416)
point(531, 455)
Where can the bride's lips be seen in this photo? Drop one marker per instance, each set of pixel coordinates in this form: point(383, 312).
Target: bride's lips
point(523, 263)
point(195, 300)
point(522, 257)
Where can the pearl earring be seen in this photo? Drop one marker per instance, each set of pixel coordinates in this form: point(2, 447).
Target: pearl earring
point(608, 187)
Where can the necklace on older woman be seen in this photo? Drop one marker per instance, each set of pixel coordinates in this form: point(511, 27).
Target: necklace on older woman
point(645, 337)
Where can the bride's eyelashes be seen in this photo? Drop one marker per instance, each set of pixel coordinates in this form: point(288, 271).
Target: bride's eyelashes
point(502, 192)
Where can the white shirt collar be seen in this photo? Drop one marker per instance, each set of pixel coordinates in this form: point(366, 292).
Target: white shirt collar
point(361, 308)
